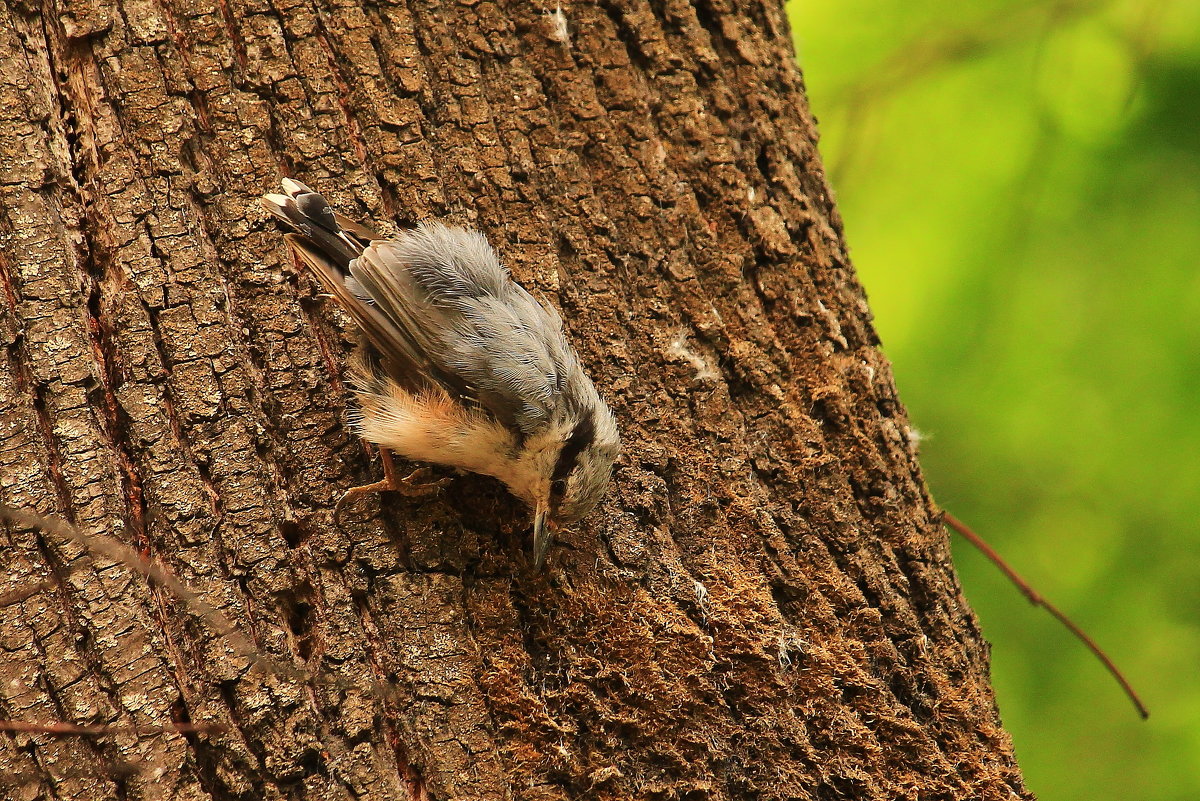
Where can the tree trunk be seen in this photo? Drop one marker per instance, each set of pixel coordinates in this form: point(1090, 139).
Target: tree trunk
point(763, 606)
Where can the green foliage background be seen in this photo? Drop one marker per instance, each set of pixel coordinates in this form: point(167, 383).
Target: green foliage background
point(1020, 183)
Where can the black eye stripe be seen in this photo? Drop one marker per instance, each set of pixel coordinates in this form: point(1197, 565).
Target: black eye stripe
point(581, 436)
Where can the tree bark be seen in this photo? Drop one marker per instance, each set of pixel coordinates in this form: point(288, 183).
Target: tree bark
point(764, 605)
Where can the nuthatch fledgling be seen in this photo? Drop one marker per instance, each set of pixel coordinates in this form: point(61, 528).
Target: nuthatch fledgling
point(459, 365)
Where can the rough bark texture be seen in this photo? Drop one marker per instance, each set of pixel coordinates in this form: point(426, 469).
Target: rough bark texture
point(764, 605)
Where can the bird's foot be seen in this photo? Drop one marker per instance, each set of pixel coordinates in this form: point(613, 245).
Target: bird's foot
point(415, 485)
point(420, 483)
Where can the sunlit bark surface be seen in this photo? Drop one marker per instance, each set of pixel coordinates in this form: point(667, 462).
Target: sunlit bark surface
point(763, 606)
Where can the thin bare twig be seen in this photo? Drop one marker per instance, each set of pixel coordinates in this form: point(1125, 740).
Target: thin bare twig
point(108, 547)
point(123, 554)
point(16, 596)
point(75, 730)
point(1036, 599)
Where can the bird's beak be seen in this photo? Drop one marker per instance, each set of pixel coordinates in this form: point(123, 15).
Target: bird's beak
point(541, 535)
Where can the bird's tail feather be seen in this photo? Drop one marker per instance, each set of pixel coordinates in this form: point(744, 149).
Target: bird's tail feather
point(327, 243)
point(309, 216)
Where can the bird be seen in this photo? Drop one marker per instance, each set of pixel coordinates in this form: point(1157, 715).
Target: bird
point(457, 364)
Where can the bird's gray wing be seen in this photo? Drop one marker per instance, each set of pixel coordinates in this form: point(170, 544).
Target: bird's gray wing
point(328, 244)
point(481, 335)
point(399, 356)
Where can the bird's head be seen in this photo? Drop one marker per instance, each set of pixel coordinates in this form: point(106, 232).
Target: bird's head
point(573, 470)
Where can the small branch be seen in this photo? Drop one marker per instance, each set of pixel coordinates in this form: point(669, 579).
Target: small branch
point(16, 596)
point(73, 730)
point(111, 548)
point(1036, 599)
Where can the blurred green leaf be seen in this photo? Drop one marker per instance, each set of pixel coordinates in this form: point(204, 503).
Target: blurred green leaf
point(1021, 188)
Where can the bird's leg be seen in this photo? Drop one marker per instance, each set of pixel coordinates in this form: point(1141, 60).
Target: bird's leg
point(420, 483)
point(411, 486)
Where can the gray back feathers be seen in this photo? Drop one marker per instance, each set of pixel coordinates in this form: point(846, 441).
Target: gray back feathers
point(440, 312)
point(458, 310)
point(440, 309)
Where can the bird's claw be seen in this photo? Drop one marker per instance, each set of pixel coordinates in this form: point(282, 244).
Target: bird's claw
point(416, 484)
point(420, 483)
